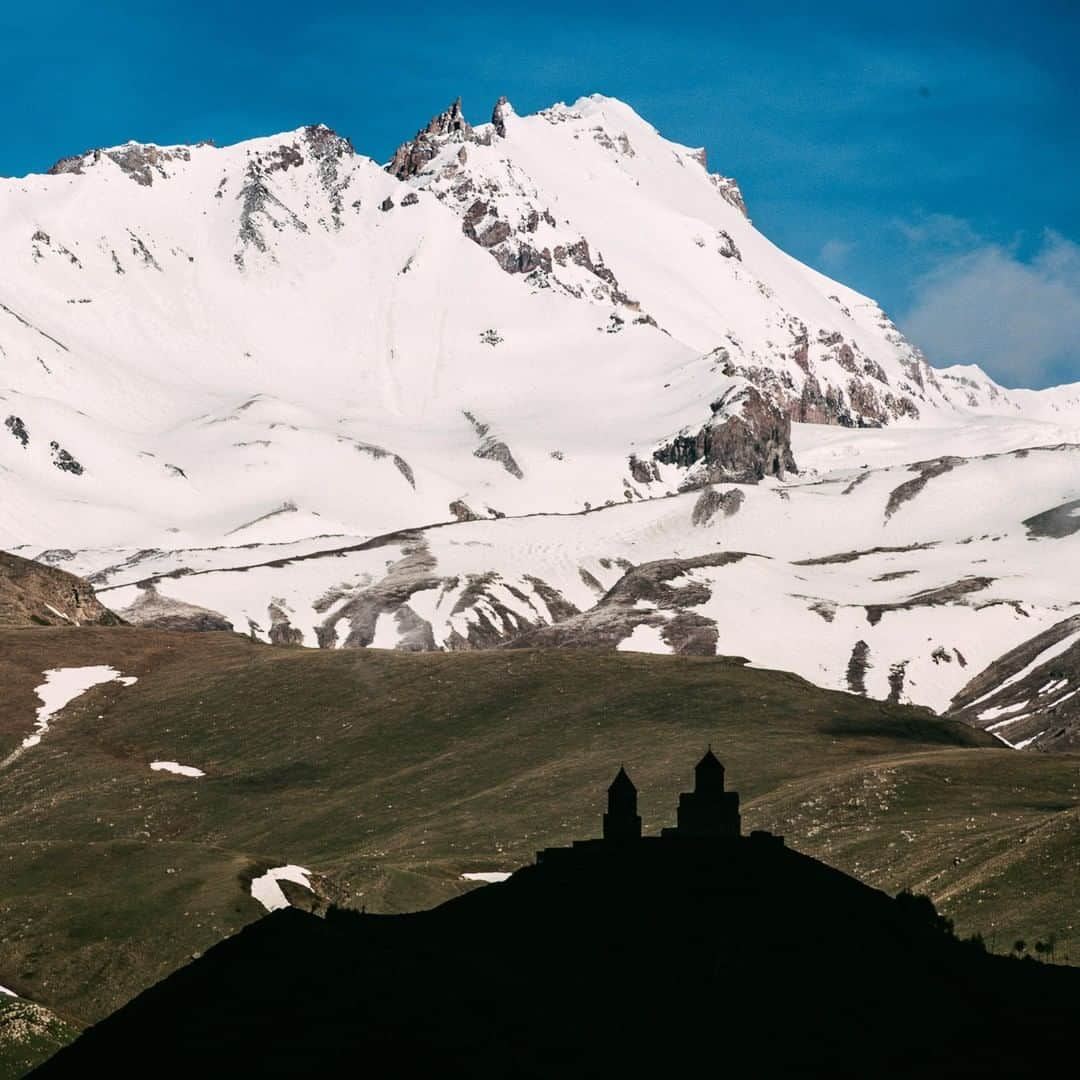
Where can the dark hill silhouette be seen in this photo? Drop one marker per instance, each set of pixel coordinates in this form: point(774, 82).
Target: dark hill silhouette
point(616, 957)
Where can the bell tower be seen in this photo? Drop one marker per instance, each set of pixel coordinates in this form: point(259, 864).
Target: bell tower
point(622, 823)
point(708, 810)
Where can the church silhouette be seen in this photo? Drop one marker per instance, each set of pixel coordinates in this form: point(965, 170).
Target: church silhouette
point(708, 814)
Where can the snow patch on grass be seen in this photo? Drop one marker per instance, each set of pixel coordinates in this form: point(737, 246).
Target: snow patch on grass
point(490, 876)
point(268, 892)
point(176, 767)
point(64, 685)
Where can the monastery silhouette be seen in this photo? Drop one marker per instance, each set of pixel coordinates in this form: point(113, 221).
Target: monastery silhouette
point(706, 815)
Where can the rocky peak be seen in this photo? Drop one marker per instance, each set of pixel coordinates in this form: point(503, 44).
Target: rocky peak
point(324, 142)
point(410, 158)
point(450, 122)
point(503, 109)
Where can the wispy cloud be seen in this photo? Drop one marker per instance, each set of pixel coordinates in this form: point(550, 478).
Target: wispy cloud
point(834, 254)
point(1018, 318)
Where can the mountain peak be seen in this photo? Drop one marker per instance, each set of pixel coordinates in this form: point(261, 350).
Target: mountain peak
point(448, 126)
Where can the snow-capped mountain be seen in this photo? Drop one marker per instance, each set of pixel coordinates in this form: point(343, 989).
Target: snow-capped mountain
point(284, 343)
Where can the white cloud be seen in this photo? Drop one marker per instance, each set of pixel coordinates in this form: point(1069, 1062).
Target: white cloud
point(1018, 319)
point(834, 253)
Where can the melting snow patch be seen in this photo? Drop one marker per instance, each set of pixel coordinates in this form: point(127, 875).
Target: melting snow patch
point(1053, 686)
point(386, 634)
point(176, 767)
point(59, 614)
point(9, 993)
point(268, 892)
point(645, 638)
point(1003, 710)
point(487, 875)
point(1025, 743)
point(64, 685)
point(1006, 723)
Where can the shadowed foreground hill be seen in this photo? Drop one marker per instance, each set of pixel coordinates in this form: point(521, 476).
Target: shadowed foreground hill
point(646, 959)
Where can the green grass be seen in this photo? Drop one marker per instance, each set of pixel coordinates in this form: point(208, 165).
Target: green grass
point(29, 1035)
point(390, 774)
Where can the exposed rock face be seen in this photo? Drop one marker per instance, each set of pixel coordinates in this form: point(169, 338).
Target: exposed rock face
point(497, 214)
point(15, 425)
point(729, 191)
point(713, 502)
point(644, 596)
point(493, 449)
point(946, 594)
point(839, 385)
point(64, 461)
point(158, 612)
point(332, 151)
point(499, 115)
point(1030, 697)
point(261, 208)
point(32, 594)
point(747, 439)
point(1054, 524)
point(140, 162)
point(281, 631)
point(857, 667)
point(926, 470)
point(412, 157)
point(644, 472)
point(462, 511)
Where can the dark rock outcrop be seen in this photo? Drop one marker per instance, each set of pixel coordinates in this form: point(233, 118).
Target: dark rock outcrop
point(64, 461)
point(643, 596)
point(15, 425)
point(492, 449)
point(747, 439)
point(712, 502)
point(927, 471)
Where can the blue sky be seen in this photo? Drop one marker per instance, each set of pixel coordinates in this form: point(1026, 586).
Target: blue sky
point(926, 154)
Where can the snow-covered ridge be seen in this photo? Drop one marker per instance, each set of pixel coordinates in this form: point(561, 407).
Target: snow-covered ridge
point(182, 326)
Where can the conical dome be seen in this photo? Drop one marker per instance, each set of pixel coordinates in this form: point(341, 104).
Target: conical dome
point(622, 782)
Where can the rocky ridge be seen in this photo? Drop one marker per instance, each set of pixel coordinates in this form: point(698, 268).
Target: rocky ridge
point(32, 594)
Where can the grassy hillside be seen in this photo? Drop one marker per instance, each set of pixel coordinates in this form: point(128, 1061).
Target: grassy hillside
point(389, 774)
point(29, 1034)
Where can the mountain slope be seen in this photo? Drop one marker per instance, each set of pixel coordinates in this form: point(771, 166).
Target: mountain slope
point(280, 338)
point(394, 396)
point(886, 582)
